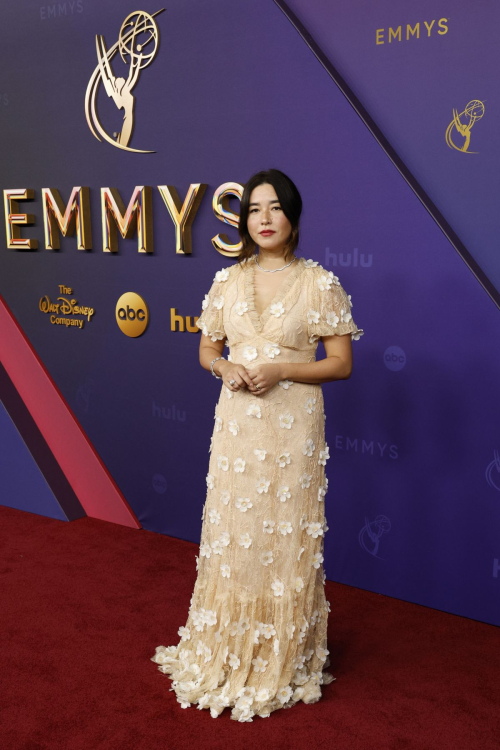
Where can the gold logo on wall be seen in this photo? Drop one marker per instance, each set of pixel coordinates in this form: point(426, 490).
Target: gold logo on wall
point(461, 130)
point(137, 43)
point(132, 314)
point(65, 307)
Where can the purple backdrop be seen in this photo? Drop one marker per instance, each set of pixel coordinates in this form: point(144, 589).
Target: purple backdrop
point(414, 495)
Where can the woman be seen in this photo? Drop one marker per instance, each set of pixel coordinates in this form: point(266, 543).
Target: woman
point(255, 637)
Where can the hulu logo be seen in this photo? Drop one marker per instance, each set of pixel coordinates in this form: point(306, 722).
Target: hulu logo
point(345, 260)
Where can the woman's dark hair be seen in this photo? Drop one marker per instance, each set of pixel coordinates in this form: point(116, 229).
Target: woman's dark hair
point(291, 203)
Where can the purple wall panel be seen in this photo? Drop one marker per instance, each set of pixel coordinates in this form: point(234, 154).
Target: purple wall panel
point(235, 89)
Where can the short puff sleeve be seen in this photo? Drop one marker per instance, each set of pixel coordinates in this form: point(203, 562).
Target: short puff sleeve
point(329, 310)
point(211, 320)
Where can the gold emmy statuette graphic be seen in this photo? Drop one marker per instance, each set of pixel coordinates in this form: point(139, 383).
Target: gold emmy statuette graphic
point(137, 33)
point(132, 314)
point(473, 111)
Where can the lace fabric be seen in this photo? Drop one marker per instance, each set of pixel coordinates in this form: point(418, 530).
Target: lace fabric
point(255, 639)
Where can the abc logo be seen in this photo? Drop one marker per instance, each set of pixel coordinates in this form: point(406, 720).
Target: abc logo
point(394, 358)
point(132, 314)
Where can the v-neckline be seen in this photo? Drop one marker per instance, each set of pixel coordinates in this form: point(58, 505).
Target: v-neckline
point(260, 320)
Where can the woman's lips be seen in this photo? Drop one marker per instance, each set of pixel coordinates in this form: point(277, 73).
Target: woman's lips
point(267, 233)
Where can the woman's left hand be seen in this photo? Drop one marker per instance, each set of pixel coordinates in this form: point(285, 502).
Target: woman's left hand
point(266, 376)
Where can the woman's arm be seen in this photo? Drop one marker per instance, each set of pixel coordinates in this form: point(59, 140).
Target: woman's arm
point(337, 365)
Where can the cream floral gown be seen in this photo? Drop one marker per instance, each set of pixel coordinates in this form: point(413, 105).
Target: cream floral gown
point(256, 635)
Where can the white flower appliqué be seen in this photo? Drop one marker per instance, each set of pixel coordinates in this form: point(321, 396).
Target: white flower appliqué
point(249, 353)
point(277, 309)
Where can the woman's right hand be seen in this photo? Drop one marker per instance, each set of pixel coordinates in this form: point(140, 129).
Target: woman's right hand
point(231, 371)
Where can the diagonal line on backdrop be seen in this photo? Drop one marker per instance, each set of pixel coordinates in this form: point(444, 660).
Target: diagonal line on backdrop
point(92, 483)
point(374, 129)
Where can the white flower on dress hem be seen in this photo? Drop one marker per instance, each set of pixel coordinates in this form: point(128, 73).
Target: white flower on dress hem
point(271, 350)
point(266, 558)
point(315, 529)
point(299, 584)
point(261, 454)
point(285, 384)
point(243, 503)
point(321, 653)
point(205, 550)
point(267, 630)
point(245, 540)
point(283, 493)
point(249, 353)
point(285, 527)
point(218, 423)
point(309, 405)
point(239, 465)
point(317, 559)
point(263, 485)
point(277, 309)
point(309, 447)
point(305, 481)
point(283, 459)
point(254, 410)
point(298, 662)
point(222, 275)
point(214, 516)
point(262, 695)
point(303, 522)
point(286, 420)
point(312, 316)
point(284, 694)
point(234, 662)
point(241, 307)
point(233, 426)
point(324, 456)
point(216, 547)
point(269, 527)
point(259, 664)
point(225, 569)
point(321, 493)
point(240, 627)
point(184, 633)
point(210, 481)
point(224, 497)
point(278, 587)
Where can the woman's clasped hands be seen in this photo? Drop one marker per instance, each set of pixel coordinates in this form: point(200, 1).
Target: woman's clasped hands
point(258, 379)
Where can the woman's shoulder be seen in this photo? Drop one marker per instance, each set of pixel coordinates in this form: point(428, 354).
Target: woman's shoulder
point(227, 273)
point(320, 275)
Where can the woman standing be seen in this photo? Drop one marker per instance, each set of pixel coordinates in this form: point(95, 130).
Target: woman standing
point(256, 635)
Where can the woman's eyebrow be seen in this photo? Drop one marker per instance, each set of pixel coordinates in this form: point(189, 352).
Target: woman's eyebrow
point(258, 204)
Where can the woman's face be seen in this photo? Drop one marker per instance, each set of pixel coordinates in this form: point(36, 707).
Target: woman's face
point(266, 215)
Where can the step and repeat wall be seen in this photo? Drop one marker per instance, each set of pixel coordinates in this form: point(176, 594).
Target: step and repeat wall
point(127, 135)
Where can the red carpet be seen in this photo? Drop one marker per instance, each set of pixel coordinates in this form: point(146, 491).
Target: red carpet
point(83, 605)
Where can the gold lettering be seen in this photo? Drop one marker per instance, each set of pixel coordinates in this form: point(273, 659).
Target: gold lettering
point(395, 34)
point(14, 220)
point(429, 27)
point(57, 216)
point(443, 26)
point(139, 214)
point(220, 205)
point(415, 30)
point(183, 215)
point(378, 36)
